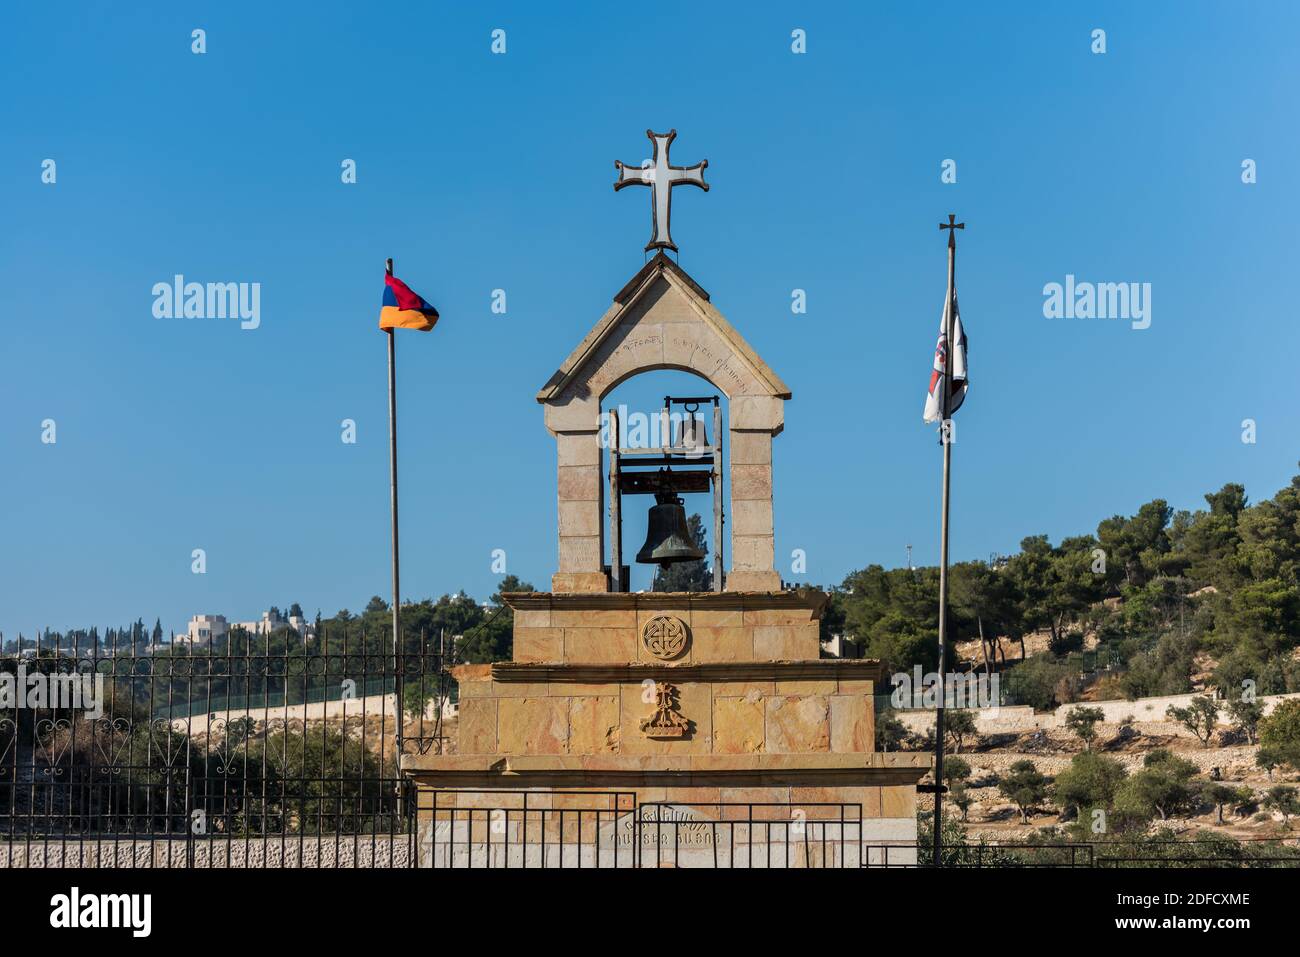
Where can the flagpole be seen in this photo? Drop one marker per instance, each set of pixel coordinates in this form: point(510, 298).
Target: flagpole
point(392, 486)
point(945, 438)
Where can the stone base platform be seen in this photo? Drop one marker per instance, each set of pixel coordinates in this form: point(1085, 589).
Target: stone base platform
point(703, 810)
point(667, 729)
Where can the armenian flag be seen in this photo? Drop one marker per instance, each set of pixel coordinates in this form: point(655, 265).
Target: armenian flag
point(403, 309)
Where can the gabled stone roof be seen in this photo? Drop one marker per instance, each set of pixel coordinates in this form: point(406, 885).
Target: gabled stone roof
point(661, 269)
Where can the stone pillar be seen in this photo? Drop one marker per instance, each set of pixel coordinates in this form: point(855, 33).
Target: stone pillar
point(580, 497)
point(755, 420)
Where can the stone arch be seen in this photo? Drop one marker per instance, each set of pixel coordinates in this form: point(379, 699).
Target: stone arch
point(662, 319)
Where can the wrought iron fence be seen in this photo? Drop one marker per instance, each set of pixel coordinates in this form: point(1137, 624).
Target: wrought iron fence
point(751, 835)
point(280, 752)
point(524, 829)
point(585, 829)
point(260, 750)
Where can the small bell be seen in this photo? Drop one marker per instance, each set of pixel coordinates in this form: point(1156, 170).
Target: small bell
point(668, 536)
point(691, 435)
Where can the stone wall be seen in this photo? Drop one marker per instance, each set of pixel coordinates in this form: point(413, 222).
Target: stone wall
point(747, 679)
point(371, 706)
point(554, 628)
point(795, 716)
point(712, 700)
point(1020, 718)
point(291, 851)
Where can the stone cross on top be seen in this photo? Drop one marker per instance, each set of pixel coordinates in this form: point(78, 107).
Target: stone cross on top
point(661, 177)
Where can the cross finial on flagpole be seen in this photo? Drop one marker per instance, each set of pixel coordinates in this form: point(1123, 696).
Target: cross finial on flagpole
point(952, 225)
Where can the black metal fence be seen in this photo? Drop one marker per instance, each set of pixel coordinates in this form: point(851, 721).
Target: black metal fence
point(279, 751)
point(268, 750)
point(524, 829)
point(584, 829)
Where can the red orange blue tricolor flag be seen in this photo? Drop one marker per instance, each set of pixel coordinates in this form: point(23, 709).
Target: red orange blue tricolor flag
point(404, 309)
point(939, 375)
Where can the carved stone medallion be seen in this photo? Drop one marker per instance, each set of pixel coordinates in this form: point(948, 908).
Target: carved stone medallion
point(664, 637)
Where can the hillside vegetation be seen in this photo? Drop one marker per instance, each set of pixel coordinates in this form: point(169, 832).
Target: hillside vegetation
point(1176, 600)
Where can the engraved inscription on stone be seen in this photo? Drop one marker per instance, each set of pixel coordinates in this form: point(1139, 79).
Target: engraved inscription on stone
point(676, 828)
point(664, 637)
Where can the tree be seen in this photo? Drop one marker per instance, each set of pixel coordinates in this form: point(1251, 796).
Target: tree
point(1200, 717)
point(956, 773)
point(962, 799)
point(983, 602)
point(955, 770)
point(1035, 681)
point(1090, 781)
point(295, 610)
point(1237, 665)
point(300, 775)
point(1282, 798)
point(1135, 546)
point(1246, 802)
point(496, 635)
point(894, 615)
point(1281, 728)
point(1246, 716)
point(1159, 669)
point(1268, 758)
point(1223, 581)
point(1024, 786)
point(687, 576)
point(890, 732)
point(1221, 795)
point(1030, 572)
point(1161, 787)
point(957, 725)
point(1212, 538)
point(1083, 723)
point(376, 604)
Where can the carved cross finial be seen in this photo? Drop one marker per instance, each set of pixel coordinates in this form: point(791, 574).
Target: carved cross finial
point(661, 177)
point(951, 225)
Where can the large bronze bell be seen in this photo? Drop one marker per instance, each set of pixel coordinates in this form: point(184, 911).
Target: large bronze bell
point(668, 537)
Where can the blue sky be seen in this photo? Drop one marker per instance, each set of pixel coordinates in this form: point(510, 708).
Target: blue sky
point(479, 171)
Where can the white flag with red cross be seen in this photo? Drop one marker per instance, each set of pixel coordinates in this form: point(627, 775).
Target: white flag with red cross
point(939, 380)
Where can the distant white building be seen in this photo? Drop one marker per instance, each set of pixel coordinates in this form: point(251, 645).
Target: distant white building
point(207, 628)
point(272, 621)
point(204, 629)
point(268, 623)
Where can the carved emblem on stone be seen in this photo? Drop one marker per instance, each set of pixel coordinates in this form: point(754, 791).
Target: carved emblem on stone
point(664, 637)
point(667, 720)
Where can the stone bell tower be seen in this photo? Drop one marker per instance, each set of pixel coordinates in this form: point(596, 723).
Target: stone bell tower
point(662, 319)
point(668, 728)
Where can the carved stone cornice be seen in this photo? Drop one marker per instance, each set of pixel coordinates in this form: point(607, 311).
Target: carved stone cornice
point(813, 599)
point(824, 669)
point(700, 770)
